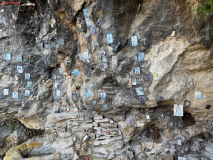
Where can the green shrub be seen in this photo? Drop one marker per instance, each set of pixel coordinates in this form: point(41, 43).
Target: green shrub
point(13, 125)
point(205, 8)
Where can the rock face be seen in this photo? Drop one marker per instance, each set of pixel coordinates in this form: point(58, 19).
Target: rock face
point(106, 79)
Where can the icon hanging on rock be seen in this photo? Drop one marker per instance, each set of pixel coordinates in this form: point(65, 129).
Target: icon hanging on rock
point(159, 98)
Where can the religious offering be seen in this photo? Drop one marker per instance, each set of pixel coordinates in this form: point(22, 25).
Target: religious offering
point(100, 13)
point(105, 65)
point(178, 110)
point(27, 76)
point(130, 83)
point(88, 92)
point(109, 38)
point(15, 95)
point(159, 98)
point(134, 81)
point(76, 72)
point(19, 69)
point(19, 58)
point(56, 85)
point(103, 95)
point(104, 59)
point(93, 29)
point(68, 64)
point(58, 94)
point(105, 106)
point(98, 23)
point(27, 93)
point(29, 84)
point(137, 70)
point(89, 106)
point(114, 60)
point(136, 57)
point(141, 56)
point(86, 12)
point(53, 45)
point(61, 41)
point(94, 103)
point(179, 141)
point(89, 22)
point(102, 52)
point(142, 99)
point(134, 41)
point(75, 110)
point(78, 85)
point(6, 92)
point(74, 97)
point(85, 55)
point(95, 43)
point(171, 125)
point(117, 45)
point(7, 56)
point(60, 70)
point(139, 91)
point(198, 95)
point(91, 85)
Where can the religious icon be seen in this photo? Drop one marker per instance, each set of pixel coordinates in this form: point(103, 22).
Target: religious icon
point(173, 33)
point(89, 106)
point(78, 85)
point(155, 74)
point(93, 29)
point(68, 64)
point(27, 93)
point(137, 70)
point(53, 45)
point(130, 83)
point(109, 38)
point(85, 55)
point(102, 52)
point(89, 22)
point(75, 110)
point(134, 81)
point(29, 84)
point(95, 43)
point(19, 69)
point(88, 92)
point(6, 92)
point(179, 141)
point(178, 110)
point(139, 91)
point(45, 44)
point(61, 41)
point(74, 97)
point(104, 59)
point(91, 85)
point(105, 65)
point(56, 110)
point(71, 110)
point(100, 13)
point(56, 85)
point(60, 70)
point(98, 23)
point(114, 60)
point(142, 99)
point(54, 76)
point(105, 106)
point(148, 117)
point(58, 93)
point(103, 95)
point(86, 12)
point(94, 103)
point(27, 76)
point(7, 56)
point(136, 57)
point(141, 56)
point(15, 95)
point(134, 41)
point(19, 58)
point(198, 95)
point(76, 72)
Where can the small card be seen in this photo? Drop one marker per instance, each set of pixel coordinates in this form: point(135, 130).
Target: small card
point(76, 72)
point(134, 81)
point(178, 110)
point(109, 38)
point(91, 85)
point(7, 56)
point(15, 95)
point(27, 76)
point(130, 82)
point(93, 29)
point(29, 84)
point(74, 97)
point(53, 45)
point(86, 12)
point(142, 99)
point(60, 70)
point(114, 60)
point(68, 64)
point(147, 117)
point(27, 93)
point(100, 13)
point(103, 95)
point(89, 22)
point(105, 106)
point(19, 58)
point(95, 43)
point(104, 59)
point(58, 93)
point(94, 103)
point(136, 57)
point(61, 41)
point(134, 41)
point(19, 69)
point(137, 70)
point(198, 95)
point(56, 85)
point(6, 92)
point(141, 56)
point(179, 142)
point(86, 55)
point(181, 158)
point(139, 91)
point(105, 65)
point(88, 92)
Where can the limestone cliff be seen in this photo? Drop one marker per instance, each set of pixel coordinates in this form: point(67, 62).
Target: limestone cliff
point(106, 79)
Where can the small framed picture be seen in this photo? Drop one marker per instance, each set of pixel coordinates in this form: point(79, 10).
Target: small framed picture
point(181, 158)
point(89, 74)
point(103, 95)
point(75, 110)
point(93, 29)
point(78, 85)
point(58, 93)
point(15, 95)
point(89, 106)
point(178, 110)
point(19, 69)
point(19, 58)
point(56, 85)
point(60, 70)
point(104, 59)
point(76, 72)
point(105, 65)
point(198, 95)
point(141, 56)
point(109, 38)
point(53, 45)
point(114, 60)
point(98, 23)
point(134, 81)
point(86, 55)
point(54, 76)
point(137, 70)
point(105, 106)
point(86, 12)
point(100, 13)
point(68, 64)
point(6, 92)
point(74, 97)
point(136, 57)
point(27, 93)
point(88, 92)
point(27, 76)
point(142, 99)
point(29, 84)
point(102, 53)
point(130, 82)
point(89, 22)
point(134, 41)
point(95, 43)
point(61, 41)
point(91, 85)
point(71, 110)
point(94, 103)
point(7, 56)
point(139, 91)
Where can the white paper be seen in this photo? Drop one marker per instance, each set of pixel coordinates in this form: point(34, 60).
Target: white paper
point(6, 91)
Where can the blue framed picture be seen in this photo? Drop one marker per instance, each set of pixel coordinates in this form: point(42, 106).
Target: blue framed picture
point(88, 92)
point(105, 65)
point(93, 29)
point(56, 85)
point(19, 58)
point(19, 69)
point(134, 81)
point(89, 22)
point(86, 55)
point(137, 70)
point(141, 56)
point(136, 57)
point(198, 95)
point(74, 97)
point(94, 103)
point(29, 84)
point(104, 59)
point(60, 70)
point(103, 95)
point(15, 95)
point(139, 91)
point(95, 43)
point(178, 110)
point(105, 106)
point(86, 12)
point(7, 56)
point(109, 38)
point(91, 85)
point(142, 99)
point(134, 41)
point(27, 93)
point(76, 72)
point(117, 45)
point(27, 76)
point(89, 106)
point(58, 93)
point(61, 41)
point(53, 45)
point(98, 23)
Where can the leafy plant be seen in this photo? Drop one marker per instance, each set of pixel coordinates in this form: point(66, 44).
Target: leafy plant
point(205, 8)
point(13, 125)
